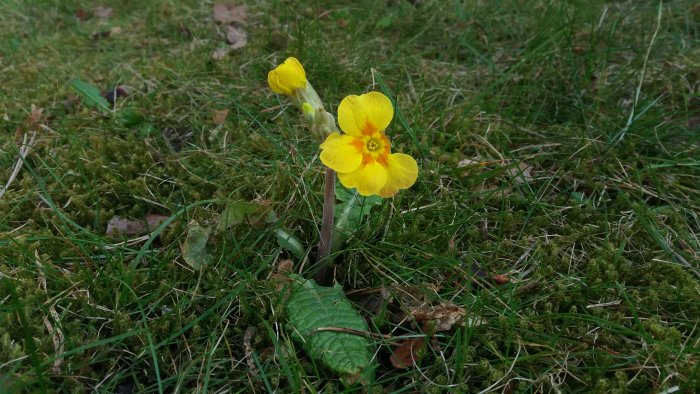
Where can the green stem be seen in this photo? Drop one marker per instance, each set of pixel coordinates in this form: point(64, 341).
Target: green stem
point(324, 273)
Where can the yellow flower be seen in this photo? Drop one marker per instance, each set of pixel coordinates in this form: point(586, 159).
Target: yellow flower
point(362, 156)
point(287, 77)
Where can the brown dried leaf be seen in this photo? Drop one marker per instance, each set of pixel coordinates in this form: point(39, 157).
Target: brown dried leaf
point(154, 220)
point(281, 276)
point(226, 13)
point(522, 173)
point(219, 116)
point(445, 315)
point(35, 118)
point(118, 226)
point(467, 163)
point(237, 37)
point(407, 352)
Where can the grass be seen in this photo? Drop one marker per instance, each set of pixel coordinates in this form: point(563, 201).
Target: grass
point(581, 117)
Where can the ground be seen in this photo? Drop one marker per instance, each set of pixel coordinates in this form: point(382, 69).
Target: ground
point(558, 147)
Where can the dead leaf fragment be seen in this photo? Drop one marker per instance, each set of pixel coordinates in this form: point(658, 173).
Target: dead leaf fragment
point(445, 315)
point(219, 116)
point(407, 352)
point(154, 220)
point(225, 13)
point(522, 173)
point(194, 250)
point(118, 226)
point(467, 163)
point(237, 212)
point(500, 279)
point(237, 37)
point(220, 53)
point(281, 275)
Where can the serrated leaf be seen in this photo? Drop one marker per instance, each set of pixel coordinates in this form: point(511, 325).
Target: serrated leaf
point(310, 307)
point(90, 93)
point(194, 250)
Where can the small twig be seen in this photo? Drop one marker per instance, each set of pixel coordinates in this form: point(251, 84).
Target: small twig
point(324, 275)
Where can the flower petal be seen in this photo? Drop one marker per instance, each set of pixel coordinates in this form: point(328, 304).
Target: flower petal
point(402, 171)
point(365, 114)
point(287, 77)
point(342, 153)
point(368, 179)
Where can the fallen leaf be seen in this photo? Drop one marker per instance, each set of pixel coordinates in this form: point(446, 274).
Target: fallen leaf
point(281, 276)
point(467, 162)
point(35, 117)
point(219, 116)
point(522, 173)
point(102, 12)
point(237, 212)
point(444, 315)
point(194, 250)
point(237, 37)
point(220, 53)
point(90, 94)
point(154, 220)
point(226, 13)
point(118, 226)
point(407, 352)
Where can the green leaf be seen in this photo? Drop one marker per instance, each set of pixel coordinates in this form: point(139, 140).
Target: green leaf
point(289, 241)
point(237, 212)
point(194, 250)
point(384, 22)
point(90, 94)
point(130, 117)
point(349, 213)
point(310, 307)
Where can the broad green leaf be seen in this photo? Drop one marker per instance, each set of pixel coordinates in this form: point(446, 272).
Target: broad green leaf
point(349, 213)
point(310, 307)
point(194, 250)
point(237, 212)
point(91, 94)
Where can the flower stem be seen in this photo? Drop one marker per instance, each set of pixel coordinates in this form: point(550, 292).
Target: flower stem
point(324, 273)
